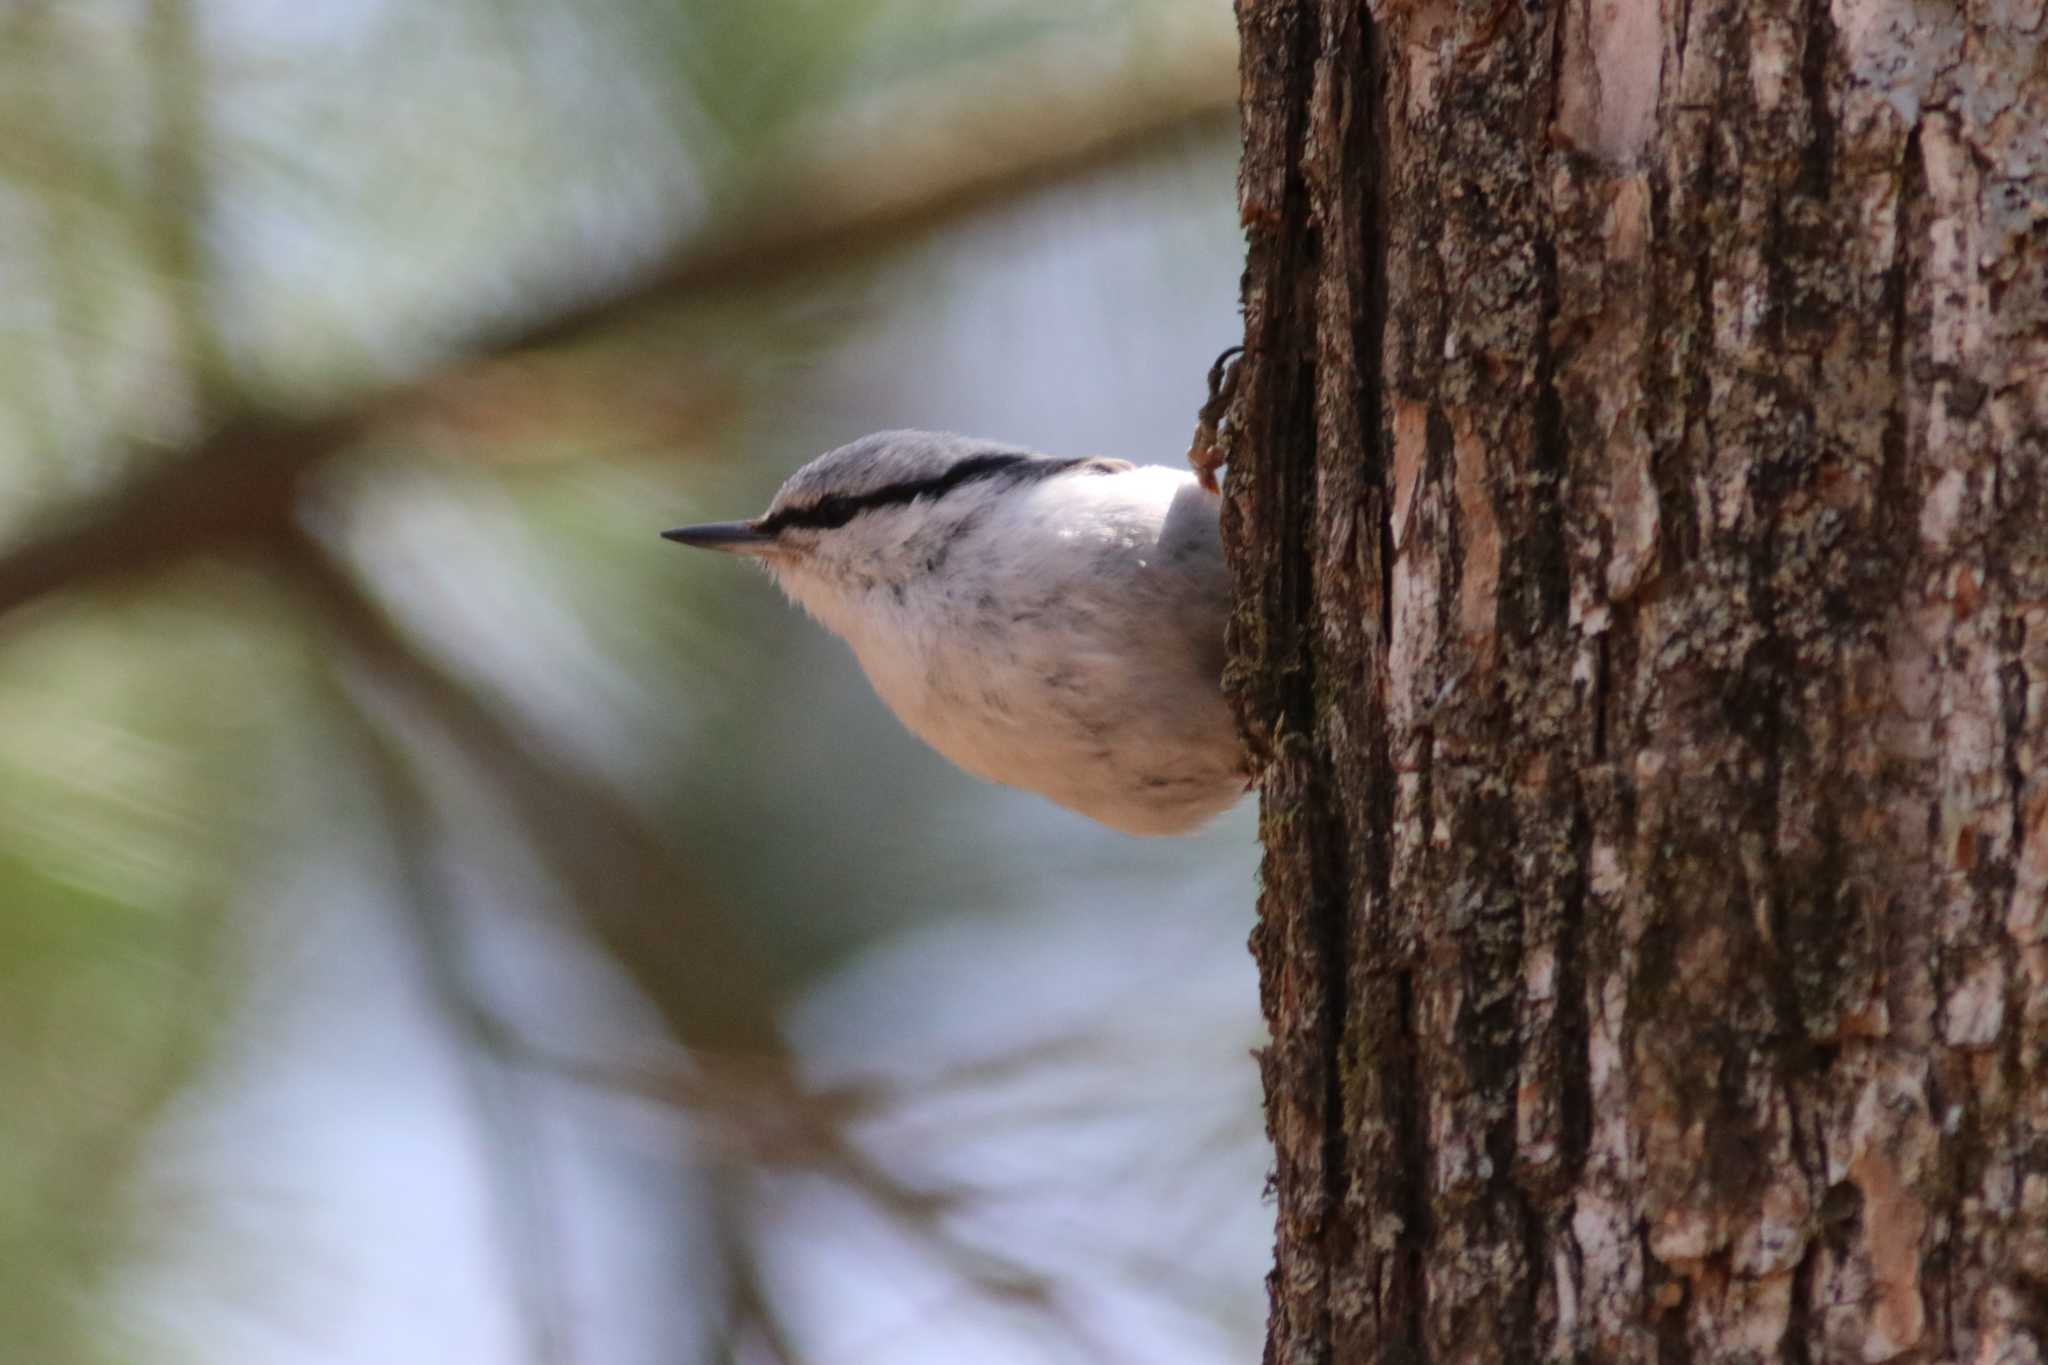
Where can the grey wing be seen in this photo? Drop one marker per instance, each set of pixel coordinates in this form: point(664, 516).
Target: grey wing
point(1191, 551)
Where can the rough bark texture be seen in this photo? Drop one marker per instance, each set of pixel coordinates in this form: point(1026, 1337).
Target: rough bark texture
point(1639, 500)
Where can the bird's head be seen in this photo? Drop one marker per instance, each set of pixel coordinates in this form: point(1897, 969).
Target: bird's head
point(877, 512)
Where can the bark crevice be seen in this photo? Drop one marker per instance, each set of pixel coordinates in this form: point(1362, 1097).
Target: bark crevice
point(1670, 665)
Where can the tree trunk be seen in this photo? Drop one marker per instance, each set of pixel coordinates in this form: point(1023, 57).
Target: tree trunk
point(1639, 505)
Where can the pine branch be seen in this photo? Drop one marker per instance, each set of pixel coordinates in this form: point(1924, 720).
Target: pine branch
point(972, 151)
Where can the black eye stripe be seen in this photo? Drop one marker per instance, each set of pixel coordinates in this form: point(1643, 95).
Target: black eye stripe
point(836, 510)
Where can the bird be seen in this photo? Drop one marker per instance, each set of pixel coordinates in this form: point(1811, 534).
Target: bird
point(1048, 623)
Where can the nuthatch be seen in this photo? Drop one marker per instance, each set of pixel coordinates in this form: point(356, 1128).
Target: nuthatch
point(1051, 624)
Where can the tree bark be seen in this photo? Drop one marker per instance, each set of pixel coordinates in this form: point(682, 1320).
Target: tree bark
point(1639, 505)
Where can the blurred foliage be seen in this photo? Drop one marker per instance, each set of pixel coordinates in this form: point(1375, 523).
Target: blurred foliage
point(383, 811)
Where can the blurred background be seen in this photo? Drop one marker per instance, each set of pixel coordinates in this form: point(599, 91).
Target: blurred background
point(439, 921)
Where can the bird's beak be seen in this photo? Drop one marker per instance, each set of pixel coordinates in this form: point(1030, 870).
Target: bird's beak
point(733, 537)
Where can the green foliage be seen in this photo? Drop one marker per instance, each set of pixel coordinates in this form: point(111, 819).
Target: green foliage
point(133, 760)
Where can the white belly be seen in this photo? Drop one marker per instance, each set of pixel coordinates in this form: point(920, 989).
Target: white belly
point(1077, 656)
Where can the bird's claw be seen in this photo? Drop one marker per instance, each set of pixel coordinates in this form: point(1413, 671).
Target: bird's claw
point(1206, 453)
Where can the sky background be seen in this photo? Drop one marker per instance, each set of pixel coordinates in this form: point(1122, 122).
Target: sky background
point(637, 990)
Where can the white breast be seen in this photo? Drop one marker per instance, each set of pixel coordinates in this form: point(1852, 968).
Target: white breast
point(1067, 640)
